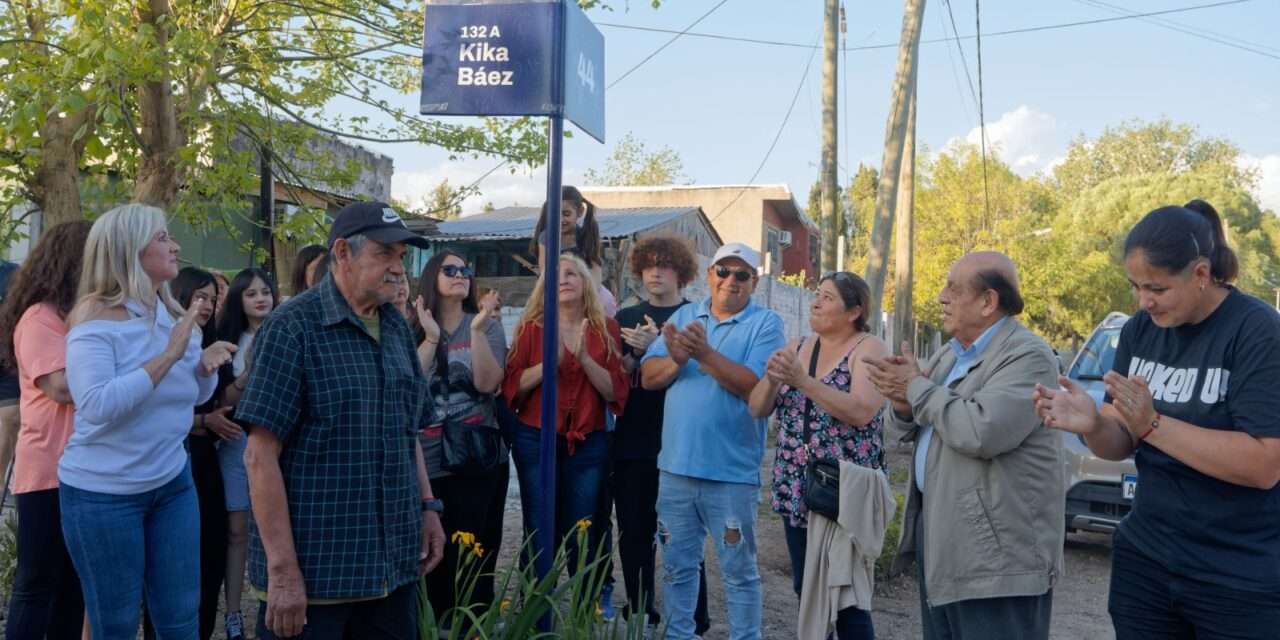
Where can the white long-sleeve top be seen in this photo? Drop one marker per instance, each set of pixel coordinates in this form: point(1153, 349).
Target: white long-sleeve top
point(128, 435)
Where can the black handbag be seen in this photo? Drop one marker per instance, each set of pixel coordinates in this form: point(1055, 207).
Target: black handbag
point(472, 438)
point(821, 487)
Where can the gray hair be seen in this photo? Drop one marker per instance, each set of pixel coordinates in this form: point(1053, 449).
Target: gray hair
point(356, 242)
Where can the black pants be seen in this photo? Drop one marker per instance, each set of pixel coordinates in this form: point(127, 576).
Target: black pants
point(635, 488)
point(394, 617)
point(1149, 602)
point(1013, 618)
point(207, 476)
point(852, 623)
point(47, 601)
point(473, 504)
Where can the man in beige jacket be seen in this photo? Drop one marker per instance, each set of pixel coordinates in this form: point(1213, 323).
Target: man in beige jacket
point(984, 518)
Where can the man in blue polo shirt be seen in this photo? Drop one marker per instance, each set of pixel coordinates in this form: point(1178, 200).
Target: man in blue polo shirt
point(711, 355)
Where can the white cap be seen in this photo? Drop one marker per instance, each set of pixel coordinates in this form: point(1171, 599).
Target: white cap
point(739, 251)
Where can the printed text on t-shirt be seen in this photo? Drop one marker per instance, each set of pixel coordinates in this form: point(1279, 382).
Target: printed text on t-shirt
point(1178, 386)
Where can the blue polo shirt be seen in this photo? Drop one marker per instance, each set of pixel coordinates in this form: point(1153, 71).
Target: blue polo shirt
point(707, 432)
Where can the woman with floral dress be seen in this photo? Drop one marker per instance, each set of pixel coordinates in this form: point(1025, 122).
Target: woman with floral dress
point(844, 411)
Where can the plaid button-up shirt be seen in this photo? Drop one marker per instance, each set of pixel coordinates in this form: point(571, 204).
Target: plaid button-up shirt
point(346, 408)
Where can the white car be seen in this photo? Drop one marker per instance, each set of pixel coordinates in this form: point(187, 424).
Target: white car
point(1099, 492)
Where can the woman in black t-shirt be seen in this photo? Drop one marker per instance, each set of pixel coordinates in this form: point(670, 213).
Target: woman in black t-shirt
point(1195, 391)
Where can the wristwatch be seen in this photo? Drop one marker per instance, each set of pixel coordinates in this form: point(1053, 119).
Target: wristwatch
point(434, 504)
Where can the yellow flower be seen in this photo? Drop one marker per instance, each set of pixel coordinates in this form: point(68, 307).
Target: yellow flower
point(506, 604)
point(478, 550)
point(583, 525)
point(464, 538)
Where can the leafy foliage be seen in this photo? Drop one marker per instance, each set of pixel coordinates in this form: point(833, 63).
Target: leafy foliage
point(633, 165)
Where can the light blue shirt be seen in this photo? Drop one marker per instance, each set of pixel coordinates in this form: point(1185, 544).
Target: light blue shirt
point(707, 432)
point(129, 433)
point(964, 361)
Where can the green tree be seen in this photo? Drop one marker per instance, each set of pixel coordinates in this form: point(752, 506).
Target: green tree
point(1141, 148)
point(176, 101)
point(445, 201)
point(632, 164)
point(862, 211)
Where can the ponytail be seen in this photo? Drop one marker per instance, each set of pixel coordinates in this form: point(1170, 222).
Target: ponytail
point(1172, 238)
point(1224, 264)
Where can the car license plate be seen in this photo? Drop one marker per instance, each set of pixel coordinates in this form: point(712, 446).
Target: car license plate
point(1128, 486)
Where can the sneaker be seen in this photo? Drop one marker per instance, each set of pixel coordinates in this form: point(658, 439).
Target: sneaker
point(607, 610)
point(235, 626)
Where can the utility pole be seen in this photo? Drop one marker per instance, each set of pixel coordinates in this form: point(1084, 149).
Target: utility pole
point(891, 162)
point(904, 235)
point(830, 166)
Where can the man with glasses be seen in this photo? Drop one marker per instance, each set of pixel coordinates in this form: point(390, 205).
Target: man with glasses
point(709, 358)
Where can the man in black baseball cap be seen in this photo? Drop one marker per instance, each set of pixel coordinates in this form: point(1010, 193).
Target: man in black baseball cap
point(374, 220)
point(335, 397)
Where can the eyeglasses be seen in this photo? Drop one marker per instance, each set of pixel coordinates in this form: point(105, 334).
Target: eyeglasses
point(454, 271)
point(741, 275)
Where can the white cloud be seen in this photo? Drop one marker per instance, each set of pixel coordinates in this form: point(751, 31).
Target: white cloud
point(1267, 191)
point(1025, 138)
point(503, 188)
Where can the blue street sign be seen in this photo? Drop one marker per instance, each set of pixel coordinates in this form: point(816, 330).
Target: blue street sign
point(583, 72)
point(502, 59)
point(490, 59)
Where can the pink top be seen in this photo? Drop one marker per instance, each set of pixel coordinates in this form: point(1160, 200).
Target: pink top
point(40, 344)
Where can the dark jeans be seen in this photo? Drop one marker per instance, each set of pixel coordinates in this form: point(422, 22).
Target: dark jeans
point(852, 623)
point(474, 504)
point(213, 533)
point(1149, 602)
point(578, 481)
point(635, 489)
point(602, 532)
point(126, 547)
point(1014, 618)
point(394, 617)
point(46, 601)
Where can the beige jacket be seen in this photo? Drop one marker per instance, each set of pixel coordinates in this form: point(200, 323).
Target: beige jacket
point(993, 511)
point(840, 557)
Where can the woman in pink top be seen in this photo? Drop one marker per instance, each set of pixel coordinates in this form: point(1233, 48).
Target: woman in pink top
point(47, 601)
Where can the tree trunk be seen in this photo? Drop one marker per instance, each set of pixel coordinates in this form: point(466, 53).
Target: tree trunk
point(904, 236)
point(891, 163)
point(157, 182)
point(56, 191)
point(830, 190)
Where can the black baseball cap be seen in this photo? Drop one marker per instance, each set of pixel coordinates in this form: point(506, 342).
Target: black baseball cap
point(377, 221)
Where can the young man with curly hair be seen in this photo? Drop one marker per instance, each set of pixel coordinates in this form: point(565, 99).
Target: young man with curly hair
point(664, 265)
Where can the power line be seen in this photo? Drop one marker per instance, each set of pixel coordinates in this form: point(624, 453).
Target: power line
point(668, 43)
point(1203, 34)
point(778, 136)
point(960, 48)
point(982, 116)
point(894, 45)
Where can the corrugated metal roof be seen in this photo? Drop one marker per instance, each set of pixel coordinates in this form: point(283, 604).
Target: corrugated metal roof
point(519, 222)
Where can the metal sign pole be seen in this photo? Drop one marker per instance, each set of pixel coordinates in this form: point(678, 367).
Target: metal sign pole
point(545, 542)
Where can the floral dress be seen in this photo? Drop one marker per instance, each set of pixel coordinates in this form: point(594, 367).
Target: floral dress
point(829, 439)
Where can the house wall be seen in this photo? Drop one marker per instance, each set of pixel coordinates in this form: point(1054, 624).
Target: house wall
point(735, 214)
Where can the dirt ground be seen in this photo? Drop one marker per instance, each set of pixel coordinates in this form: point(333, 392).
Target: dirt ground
point(1079, 607)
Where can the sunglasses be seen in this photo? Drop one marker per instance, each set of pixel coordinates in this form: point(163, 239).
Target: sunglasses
point(741, 275)
point(454, 271)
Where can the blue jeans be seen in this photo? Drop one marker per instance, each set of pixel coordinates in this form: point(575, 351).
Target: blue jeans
point(131, 546)
point(689, 509)
point(579, 478)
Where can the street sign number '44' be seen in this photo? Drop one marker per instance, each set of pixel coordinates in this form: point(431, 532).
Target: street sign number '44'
point(513, 58)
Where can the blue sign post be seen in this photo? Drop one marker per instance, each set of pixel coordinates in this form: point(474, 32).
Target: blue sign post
point(531, 57)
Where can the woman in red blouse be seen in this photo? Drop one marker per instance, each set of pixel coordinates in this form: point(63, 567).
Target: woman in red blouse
point(590, 380)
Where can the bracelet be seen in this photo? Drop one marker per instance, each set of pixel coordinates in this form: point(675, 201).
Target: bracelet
point(1155, 424)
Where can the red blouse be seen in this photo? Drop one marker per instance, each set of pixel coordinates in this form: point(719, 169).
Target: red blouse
point(581, 407)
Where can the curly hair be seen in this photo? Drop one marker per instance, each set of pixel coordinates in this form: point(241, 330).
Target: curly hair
point(665, 251)
point(51, 274)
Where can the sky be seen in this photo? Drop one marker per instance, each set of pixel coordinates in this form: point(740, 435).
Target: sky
point(719, 103)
